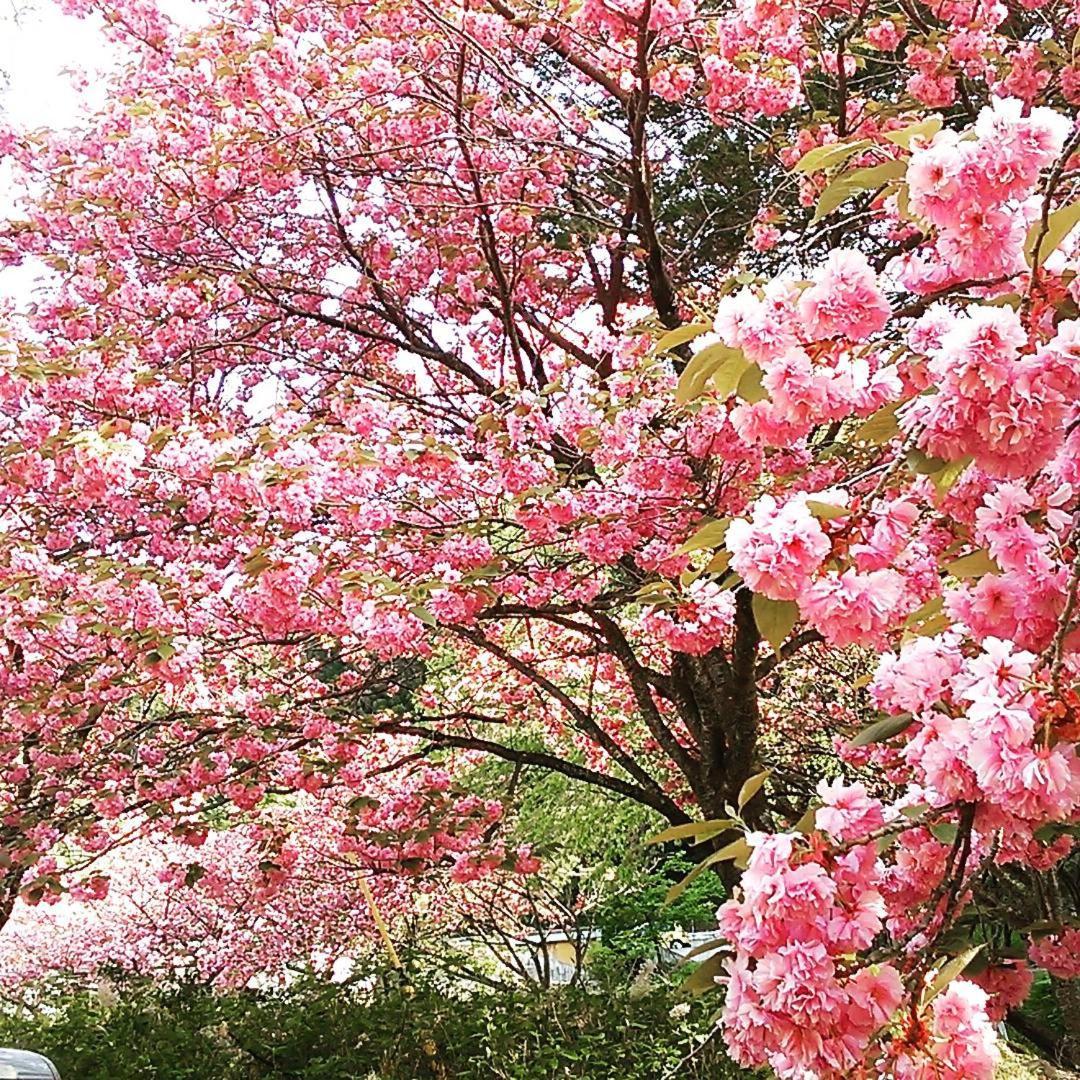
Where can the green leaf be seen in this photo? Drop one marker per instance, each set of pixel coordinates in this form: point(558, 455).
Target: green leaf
point(903, 204)
point(160, 437)
point(924, 129)
point(945, 831)
point(719, 563)
point(883, 729)
point(805, 824)
point(703, 977)
point(933, 625)
point(424, 615)
point(728, 377)
point(257, 562)
point(775, 618)
point(926, 611)
point(706, 946)
point(1047, 834)
point(1059, 223)
point(680, 887)
point(654, 592)
point(194, 873)
point(688, 577)
point(709, 535)
point(752, 786)
point(923, 464)
point(828, 156)
point(749, 387)
point(705, 365)
point(974, 565)
point(161, 651)
point(848, 184)
point(951, 970)
point(699, 831)
point(720, 363)
point(826, 511)
point(881, 426)
point(680, 336)
point(737, 851)
point(947, 477)
point(695, 376)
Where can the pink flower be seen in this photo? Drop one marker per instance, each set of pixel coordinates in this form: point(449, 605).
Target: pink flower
point(1058, 953)
point(789, 1002)
point(848, 812)
point(760, 325)
point(1007, 986)
point(964, 1046)
point(876, 993)
point(845, 300)
point(885, 35)
point(916, 677)
point(853, 608)
point(778, 549)
point(933, 177)
point(699, 622)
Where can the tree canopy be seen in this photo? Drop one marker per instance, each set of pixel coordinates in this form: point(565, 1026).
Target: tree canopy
point(654, 393)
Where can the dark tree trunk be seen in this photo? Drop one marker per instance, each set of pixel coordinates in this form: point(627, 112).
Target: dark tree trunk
point(1067, 995)
point(717, 695)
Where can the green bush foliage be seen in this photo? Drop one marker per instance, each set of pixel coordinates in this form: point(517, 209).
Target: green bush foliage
point(322, 1032)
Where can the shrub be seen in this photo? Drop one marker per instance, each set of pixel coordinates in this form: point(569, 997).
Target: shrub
point(319, 1031)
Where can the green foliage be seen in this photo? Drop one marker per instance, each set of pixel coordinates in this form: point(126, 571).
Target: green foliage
point(635, 921)
point(707, 191)
point(581, 824)
point(575, 827)
point(389, 687)
point(318, 1032)
point(1042, 1006)
point(596, 847)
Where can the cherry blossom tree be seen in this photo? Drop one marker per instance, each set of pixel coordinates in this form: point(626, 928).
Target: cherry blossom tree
point(239, 908)
point(386, 333)
point(303, 888)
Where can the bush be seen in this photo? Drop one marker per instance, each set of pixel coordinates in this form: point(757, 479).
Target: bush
point(318, 1032)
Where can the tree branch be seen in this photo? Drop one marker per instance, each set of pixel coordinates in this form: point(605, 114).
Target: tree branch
point(543, 760)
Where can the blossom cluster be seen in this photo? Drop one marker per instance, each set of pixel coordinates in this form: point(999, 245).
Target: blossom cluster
point(976, 735)
point(799, 997)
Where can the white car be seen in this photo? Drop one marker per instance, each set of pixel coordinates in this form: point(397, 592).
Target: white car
point(25, 1065)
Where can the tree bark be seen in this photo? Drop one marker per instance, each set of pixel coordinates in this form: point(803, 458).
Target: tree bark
point(1067, 995)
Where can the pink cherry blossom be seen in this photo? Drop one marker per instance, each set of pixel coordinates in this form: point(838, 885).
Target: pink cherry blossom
point(777, 548)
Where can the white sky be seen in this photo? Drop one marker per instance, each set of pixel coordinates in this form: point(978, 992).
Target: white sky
point(37, 44)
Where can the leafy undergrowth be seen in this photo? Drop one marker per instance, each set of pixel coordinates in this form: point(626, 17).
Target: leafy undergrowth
point(1016, 1065)
point(319, 1033)
point(315, 1031)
